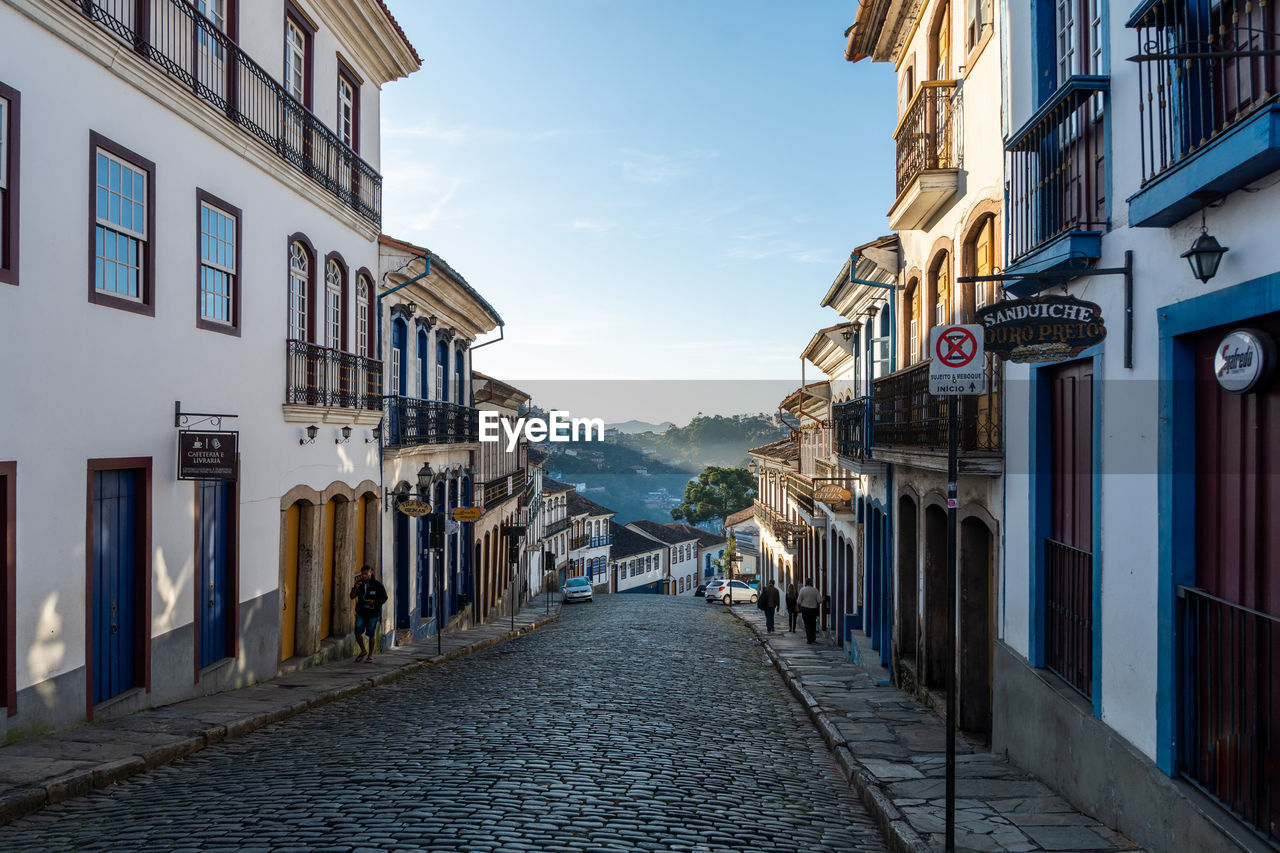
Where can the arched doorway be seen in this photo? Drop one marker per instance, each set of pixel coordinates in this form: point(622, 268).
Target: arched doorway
point(908, 579)
point(976, 637)
point(935, 597)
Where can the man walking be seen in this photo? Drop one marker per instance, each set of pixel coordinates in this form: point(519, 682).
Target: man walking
point(769, 601)
point(369, 595)
point(808, 601)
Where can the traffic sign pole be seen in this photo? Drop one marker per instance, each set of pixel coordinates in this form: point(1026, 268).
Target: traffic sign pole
point(953, 441)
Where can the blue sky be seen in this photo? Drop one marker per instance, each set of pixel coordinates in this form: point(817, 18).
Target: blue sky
point(644, 189)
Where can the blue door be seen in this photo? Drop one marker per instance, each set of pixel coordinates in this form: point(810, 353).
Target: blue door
point(425, 610)
point(215, 570)
point(115, 560)
point(455, 575)
point(396, 382)
point(400, 546)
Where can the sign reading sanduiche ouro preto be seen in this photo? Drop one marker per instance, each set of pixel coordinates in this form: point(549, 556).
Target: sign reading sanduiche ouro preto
point(1042, 328)
point(207, 455)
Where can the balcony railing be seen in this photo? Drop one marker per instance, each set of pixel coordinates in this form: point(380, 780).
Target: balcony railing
point(319, 376)
point(926, 136)
point(906, 414)
point(172, 34)
point(1069, 614)
point(800, 490)
point(776, 523)
point(1228, 690)
point(1057, 168)
point(499, 489)
point(853, 428)
point(560, 526)
point(411, 421)
point(1202, 68)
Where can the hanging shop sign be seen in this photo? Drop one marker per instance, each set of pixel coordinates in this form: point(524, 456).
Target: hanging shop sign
point(1042, 328)
point(831, 493)
point(207, 455)
point(468, 513)
point(1243, 362)
point(414, 508)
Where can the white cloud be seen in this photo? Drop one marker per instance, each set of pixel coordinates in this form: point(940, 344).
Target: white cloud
point(597, 226)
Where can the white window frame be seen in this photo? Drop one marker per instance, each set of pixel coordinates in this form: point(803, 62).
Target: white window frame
point(333, 305)
point(229, 269)
point(138, 235)
point(346, 111)
point(295, 60)
point(362, 315)
point(299, 279)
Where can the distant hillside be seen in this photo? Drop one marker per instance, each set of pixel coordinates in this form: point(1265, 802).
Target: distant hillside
point(710, 440)
point(634, 427)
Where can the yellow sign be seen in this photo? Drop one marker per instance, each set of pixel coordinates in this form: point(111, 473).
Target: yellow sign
point(414, 508)
point(831, 493)
point(468, 513)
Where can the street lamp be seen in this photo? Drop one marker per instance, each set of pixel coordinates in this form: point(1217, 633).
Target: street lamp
point(1204, 255)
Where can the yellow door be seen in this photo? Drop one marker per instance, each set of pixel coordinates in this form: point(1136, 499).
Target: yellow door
point(289, 589)
point(326, 589)
point(360, 511)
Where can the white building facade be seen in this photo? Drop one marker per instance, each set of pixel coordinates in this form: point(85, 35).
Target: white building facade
point(229, 230)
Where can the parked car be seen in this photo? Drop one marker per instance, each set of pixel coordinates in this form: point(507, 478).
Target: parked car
point(577, 589)
point(720, 591)
point(702, 587)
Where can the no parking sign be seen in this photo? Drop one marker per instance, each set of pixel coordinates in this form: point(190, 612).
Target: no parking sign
point(956, 365)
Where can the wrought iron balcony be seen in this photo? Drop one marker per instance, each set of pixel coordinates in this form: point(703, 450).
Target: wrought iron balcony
point(411, 421)
point(319, 376)
point(560, 526)
point(1228, 682)
point(785, 531)
point(1202, 68)
point(500, 489)
point(579, 542)
point(907, 415)
point(925, 135)
point(853, 428)
point(800, 490)
point(172, 34)
point(1057, 168)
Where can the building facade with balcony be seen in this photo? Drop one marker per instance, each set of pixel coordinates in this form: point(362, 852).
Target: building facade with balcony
point(681, 564)
point(949, 218)
point(853, 354)
point(780, 528)
point(429, 316)
point(1142, 561)
point(501, 536)
point(810, 408)
point(226, 198)
point(589, 540)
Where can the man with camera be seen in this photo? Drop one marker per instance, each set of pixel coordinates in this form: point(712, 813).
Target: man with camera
point(369, 595)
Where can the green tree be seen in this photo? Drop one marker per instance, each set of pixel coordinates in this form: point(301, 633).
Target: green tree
point(716, 493)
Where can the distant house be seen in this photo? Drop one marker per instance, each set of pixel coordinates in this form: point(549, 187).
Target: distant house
point(746, 532)
point(711, 548)
point(637, 561)
point(682, 553)
point(640, 469)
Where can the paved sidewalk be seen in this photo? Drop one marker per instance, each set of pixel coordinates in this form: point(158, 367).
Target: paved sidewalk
point(51, 768)
point(893, 751)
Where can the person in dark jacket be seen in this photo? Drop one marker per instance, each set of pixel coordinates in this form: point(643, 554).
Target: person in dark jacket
point(369, 595)
point(793, 608)
point(769, 604)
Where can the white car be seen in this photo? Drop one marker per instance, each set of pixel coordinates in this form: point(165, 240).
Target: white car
point(720, 591)
point(577, 589)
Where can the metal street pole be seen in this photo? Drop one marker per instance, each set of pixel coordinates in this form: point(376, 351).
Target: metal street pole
point(953, 439)
point(439, 561)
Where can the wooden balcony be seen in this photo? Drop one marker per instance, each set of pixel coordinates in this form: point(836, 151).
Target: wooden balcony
point(927, 138)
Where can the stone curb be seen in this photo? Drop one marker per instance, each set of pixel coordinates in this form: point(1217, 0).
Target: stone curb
point(900, 835)
point(24, 801)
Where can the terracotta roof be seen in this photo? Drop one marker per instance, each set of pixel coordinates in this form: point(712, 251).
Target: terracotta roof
point(627, 542)
point(782, 450)
point(740, 516)
point(705, 538)
point(403, 37)
point(555, 486)
point(672, 534)
point(579, 505)
point(537, 457)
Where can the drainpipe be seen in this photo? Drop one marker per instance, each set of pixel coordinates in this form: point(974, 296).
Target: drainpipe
point(501, 333)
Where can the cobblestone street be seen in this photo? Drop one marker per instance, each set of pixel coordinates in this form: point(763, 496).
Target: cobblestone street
point(633, 723)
